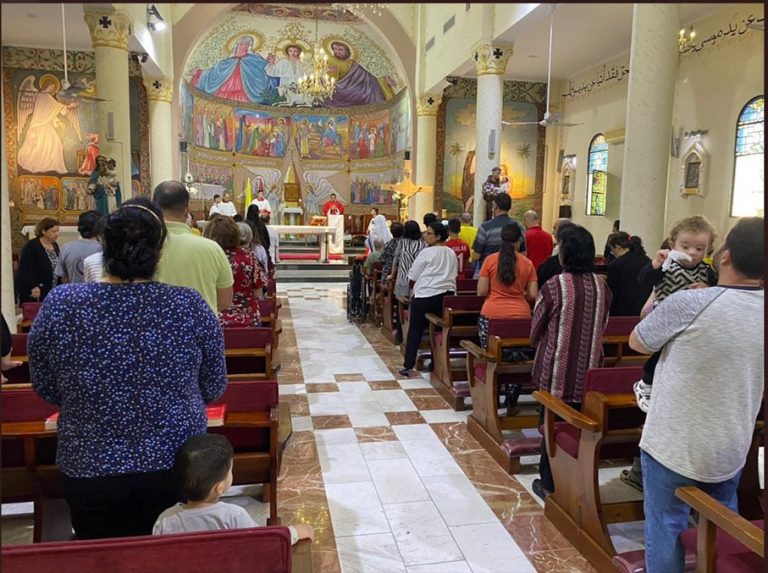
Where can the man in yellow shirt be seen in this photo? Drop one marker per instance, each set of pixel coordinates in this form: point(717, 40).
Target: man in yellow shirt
point(468, 232)
point(187, 259)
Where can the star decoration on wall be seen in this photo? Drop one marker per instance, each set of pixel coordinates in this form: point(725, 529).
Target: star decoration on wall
point(105, 22)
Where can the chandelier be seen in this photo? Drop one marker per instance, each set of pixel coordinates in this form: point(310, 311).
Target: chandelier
point(361, 8)
point(685, 40)
point(318, 86)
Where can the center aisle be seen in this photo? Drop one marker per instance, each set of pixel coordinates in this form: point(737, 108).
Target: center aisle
point(384, 469)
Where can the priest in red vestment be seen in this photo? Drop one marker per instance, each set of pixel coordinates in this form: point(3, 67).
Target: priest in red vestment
point(333, 207)
point(334, 211)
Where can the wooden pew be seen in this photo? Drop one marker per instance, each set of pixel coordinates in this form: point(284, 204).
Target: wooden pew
point(20, 374)
point(466, 286)
point(488, 373)
point(252, 550)
point(29, 311)
point(458, 322)
point(608, 426)
point(616, 342)
point(268, 309)
point(249, 353)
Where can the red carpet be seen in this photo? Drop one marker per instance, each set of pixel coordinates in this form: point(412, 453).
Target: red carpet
point(307, 257)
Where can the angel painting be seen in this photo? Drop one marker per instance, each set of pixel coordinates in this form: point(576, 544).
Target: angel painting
point(41, 149)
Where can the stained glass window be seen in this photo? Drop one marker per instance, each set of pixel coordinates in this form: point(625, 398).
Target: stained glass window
point(597, 175)
point(749, 170)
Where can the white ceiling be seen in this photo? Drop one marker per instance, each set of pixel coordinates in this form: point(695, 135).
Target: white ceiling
point(39, 26)
point(585, 35)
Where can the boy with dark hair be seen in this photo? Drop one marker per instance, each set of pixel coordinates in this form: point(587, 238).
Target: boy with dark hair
point(460, 247)
point(203, 466)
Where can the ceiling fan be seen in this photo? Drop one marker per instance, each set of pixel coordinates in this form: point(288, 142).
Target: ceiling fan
point(549, 118)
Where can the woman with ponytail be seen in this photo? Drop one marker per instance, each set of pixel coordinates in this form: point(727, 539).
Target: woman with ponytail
point(629, 259)
point(130, 363)
point(508, 281)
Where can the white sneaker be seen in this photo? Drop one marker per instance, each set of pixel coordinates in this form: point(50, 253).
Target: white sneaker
point(642, 395)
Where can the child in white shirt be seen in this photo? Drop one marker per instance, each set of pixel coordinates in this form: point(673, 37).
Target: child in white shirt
point(204, 467)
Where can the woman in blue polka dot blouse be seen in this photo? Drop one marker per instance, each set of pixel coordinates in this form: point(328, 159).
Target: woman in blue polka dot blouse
point(131, 363)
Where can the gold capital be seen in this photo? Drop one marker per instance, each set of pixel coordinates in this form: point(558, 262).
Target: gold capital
point(109, 28)
point(427, 104)
point(491, 58)
point(159, 89)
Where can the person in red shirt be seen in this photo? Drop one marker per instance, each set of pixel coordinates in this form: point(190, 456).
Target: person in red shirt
point(333, 207)
point(460, 247)
point(538, 242)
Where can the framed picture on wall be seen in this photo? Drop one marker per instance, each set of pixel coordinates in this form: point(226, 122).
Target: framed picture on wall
point(693, 170)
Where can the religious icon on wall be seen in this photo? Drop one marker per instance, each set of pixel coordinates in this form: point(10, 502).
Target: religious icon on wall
point(370, 136)
point(692, 171)
point(320, 136)
point(74, 191)
point(39, 192)
point(262, 134)
point(366, 189)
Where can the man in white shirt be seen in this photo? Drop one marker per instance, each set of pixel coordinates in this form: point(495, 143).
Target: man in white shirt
point(225, 207)
point(262, 203)
point(707, 392)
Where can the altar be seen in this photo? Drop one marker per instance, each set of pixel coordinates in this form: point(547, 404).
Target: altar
point(323, 235)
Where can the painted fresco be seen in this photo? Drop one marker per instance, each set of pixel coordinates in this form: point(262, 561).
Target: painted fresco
point(366, 188)
point(39, 192)
point(50, 129)
point(259, 56)
point(370, 136)
point(74, 191)
point(262, 134)
point(517, 159)
point(209, 174)
point(400, 122)
point(320, 136)
point(317, 189)
point(214, 126)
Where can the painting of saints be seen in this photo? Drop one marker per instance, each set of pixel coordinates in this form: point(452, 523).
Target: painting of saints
point(240, 77)
point(91, 152)
point(289, 71)
point(331, 137)
point(39, 114)
point(305, 132)
point(354, 84)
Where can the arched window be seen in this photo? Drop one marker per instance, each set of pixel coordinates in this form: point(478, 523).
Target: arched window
point(597, 175)
point(748, 172)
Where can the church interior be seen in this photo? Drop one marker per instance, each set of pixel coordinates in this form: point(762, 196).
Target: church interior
point(643, 114)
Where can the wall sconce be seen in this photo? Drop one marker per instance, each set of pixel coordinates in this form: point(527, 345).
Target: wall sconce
point(155, 21)
point(685, 41)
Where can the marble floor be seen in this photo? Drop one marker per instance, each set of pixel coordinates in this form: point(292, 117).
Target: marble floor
point(385, 470)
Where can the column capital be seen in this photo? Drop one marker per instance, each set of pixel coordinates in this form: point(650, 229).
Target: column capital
point(491, 57)
point(427, 104)
point(109, 28)
point(158, 89)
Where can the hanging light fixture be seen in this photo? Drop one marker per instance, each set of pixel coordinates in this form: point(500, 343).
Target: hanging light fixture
point(318, 86)
point(361, 8)
point(685, 40)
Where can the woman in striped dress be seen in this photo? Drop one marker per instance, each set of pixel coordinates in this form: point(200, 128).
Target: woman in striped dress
point(567, 327)
point(410, 246)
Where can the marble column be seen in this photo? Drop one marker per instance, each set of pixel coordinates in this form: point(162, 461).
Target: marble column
point(652, 70)
point(110, 31)
point(491, 63)
point(6, 278)
point(161, 140)
point(426, 144)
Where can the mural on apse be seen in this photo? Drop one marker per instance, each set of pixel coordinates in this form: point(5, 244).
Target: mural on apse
point(250, 58)
point(400, 122)
point(261, 134)
point(39, 192)
point(214, 178)
point(517, 158)
point(366, 188)
point(75, 193)
point(239, 95)
point(320, 136)
point(370, 136)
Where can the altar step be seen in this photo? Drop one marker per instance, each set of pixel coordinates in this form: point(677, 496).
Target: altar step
point(298, 271)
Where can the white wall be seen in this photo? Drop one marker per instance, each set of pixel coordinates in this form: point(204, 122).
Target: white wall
point(711, 88)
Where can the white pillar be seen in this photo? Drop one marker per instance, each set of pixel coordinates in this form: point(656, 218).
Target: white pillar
point(491, 62)
point(7, 292)
point(426, 144)
point(161, 140)
point(652, 70)
point(110, 32)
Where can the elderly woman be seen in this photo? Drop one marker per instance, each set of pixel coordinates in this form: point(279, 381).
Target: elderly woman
point(570, 315)
point(131, 363)
point(39, 258)
point(379, 232)
point(249, 277)
point(434, 272)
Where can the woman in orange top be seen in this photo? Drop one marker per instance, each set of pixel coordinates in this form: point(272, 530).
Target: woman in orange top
point(508, 281)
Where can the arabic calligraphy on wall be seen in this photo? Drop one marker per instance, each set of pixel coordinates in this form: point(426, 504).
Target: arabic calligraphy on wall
point(733, 30)
point(605, 76)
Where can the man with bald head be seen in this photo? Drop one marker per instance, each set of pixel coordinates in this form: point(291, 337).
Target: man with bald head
point(539, 243)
